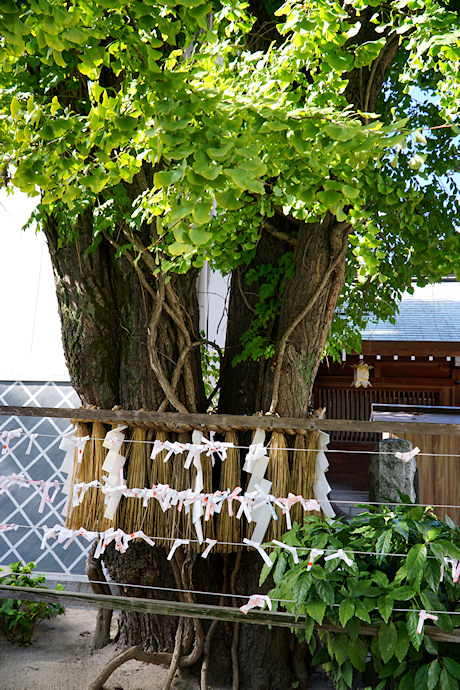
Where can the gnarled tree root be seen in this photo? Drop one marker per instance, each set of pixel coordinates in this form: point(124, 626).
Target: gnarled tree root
point(160, 658)
point(131, 653)
point(176, 655)
point(174, 660)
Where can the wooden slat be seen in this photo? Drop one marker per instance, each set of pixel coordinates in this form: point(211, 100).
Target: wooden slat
point(439, 477)
point(180, 608)
point(222, 421)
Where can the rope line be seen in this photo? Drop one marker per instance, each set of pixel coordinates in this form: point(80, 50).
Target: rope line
point(217, 594)
point(39, 484)
point(301, 450)
point(267, 545)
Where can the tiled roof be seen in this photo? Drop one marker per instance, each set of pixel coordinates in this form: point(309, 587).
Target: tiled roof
point(432, 314)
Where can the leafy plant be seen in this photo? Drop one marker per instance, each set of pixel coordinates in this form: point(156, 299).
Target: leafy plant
point(398, 569)
point(210, 366)
point(256, 340)
point(18, 619)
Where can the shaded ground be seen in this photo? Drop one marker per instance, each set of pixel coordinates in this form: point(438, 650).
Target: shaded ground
point(60, 658)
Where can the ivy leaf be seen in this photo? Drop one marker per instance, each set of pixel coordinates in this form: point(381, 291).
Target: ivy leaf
point(421, 678)
point(321, 657)
point(453, 667)
point(385, 605)
point(407, 681)
point(403, 642)
point(387, 637)
point(301, 588)
point(433, 573)
point(357, 651)
point(383, 543)
point(430, 645)
point(325, 591)
point(340, 647)
point(404, 593)
point(316, 609)
point(434, 669)
point(447, 682)
point(412, 623)
point(416, 559)
point(361, 611)
point(353, 628)
point(346, 610)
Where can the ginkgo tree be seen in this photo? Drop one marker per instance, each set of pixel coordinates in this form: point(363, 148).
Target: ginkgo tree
point(279, 142)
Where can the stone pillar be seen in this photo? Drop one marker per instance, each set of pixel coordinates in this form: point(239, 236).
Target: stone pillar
point(389, 474)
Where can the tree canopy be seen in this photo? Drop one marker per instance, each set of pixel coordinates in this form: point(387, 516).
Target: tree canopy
point(307, 148)
point(234, 113)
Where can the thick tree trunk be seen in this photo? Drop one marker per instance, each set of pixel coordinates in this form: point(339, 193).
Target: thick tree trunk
point(130, 339)
point(106, 308)
point(241, 391)
point(309, 298)
point(306, 314)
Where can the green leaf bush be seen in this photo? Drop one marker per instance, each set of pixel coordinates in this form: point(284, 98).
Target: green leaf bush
point(18, 619)
point(378, 589)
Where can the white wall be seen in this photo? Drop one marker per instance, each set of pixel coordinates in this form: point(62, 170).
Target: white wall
point(30, 335)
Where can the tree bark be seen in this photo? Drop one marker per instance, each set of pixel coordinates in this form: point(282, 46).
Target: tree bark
point(124, 331)
point(97, 579)
point(105, 308)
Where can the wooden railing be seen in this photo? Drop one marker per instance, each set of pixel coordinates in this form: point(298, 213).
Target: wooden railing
point(177, 421)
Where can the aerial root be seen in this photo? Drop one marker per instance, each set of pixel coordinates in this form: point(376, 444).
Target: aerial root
point(176, 655)
point(131, 653)
point(236, 628)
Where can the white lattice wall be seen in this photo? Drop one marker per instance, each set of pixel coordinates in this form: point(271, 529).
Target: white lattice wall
point(20, 505)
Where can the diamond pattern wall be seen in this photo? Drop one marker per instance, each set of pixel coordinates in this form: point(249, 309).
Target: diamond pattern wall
point(20, 505)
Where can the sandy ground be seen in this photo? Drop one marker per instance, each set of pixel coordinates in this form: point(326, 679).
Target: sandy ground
point(60, 658)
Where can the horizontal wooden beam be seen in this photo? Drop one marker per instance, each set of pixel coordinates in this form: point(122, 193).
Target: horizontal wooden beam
point(403, 347)
point(223, 422)
point(156, 606)
point(190, 610)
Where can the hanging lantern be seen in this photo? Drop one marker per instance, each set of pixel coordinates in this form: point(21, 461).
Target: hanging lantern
point(361, 375)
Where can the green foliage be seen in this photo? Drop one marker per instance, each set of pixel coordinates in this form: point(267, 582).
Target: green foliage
point(216, 135)
point(18, 619)
point(256, 341)
point(386, 591)
point(210, 366)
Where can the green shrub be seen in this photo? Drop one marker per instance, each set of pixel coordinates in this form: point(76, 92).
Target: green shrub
point(370, 591)
point(18, 619)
